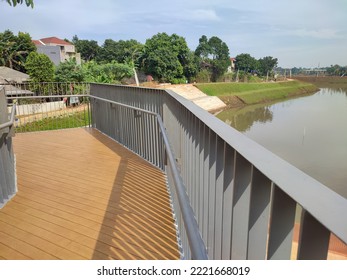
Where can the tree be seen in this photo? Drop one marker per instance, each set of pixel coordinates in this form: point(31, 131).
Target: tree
point(69, 71)
point(246, 62)
point(119, 51)
point(203, 50)
point(213, 54)
point(167, 58)
point(39, 67)
point(15, 49)
point(15, 2)
point(89, 49)
point(266, 65)
point(106, 73)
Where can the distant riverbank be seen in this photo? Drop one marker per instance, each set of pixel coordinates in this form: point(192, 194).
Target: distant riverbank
point(335, 82)
point(240, 94)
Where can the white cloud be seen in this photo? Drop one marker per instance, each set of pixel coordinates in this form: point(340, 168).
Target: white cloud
point(324, 33)
point(203, 15)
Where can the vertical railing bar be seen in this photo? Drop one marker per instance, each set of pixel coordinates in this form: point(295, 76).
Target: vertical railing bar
point(228, 194)
point(259, 215)
point(241, 207)
point(281, 225)
point(220, 169)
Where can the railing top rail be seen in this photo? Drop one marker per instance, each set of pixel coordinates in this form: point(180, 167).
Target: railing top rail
point(324, 204)
point(132, 87)
point(12, 118)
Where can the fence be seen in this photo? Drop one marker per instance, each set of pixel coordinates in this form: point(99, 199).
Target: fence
point(231, 197)
point(8, 184)
point(244, 198)
point(47, 106)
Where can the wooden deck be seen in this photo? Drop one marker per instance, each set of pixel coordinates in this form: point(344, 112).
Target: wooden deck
point(82, 196)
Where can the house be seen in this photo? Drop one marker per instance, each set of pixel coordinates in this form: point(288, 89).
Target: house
point(8, 76)
point(13, 82)
point(231, 68)
point(57, 49)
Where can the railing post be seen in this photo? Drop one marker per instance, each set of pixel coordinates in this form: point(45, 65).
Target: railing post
point(8, 182)
point(313, 239)
point(282, 225)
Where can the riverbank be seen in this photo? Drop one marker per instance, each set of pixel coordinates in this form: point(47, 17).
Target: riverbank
point(240, 94)
point(335, 82)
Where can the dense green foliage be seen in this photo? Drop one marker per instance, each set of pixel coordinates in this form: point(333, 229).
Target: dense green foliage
point(15, 49)
point(89, 49)
point(213, 55)
point(266, 65)
point(39, 67)
point(165, 57)
point(245, 62)
point(168, 58)
point(120, 51)
point(69, 71)
point(112, 73)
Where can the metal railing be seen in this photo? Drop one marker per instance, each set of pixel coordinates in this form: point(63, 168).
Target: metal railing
point(244, 198)
point(231, 197)
point(8, 182)
point(143, 132)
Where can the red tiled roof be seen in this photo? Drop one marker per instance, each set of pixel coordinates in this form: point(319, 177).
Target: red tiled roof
point(37, 42)
point(54, 40)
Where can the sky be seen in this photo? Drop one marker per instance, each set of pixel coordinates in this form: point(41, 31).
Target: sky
point(300, 33)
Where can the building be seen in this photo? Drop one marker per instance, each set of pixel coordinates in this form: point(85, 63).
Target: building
point(231, 68)
point(8, 76)
point(57, 49)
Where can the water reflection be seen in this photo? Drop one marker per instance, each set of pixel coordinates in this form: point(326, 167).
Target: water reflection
point(243, 120)
point(310, 132)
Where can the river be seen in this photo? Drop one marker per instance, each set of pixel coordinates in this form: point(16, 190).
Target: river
point(310, 132)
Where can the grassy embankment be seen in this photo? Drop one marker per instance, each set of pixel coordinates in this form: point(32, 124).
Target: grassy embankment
point(238, 94)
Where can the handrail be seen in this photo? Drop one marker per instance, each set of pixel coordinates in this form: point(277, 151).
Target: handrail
point(197, 246)
point(312, 194)
point(11, 121)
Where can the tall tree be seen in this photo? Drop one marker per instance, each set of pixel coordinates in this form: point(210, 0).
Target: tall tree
point(15, 49)
point(213, 54)
point(89, 49)
point(267, 64)
point(39, 67)
point(15, 2)
point(119, 51)
point(246, 62)
point(166, 57)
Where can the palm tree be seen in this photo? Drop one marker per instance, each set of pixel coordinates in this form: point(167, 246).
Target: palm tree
point(10, 55)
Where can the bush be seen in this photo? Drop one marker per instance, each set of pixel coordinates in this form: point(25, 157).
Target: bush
point(204, 76)
point(178, 81)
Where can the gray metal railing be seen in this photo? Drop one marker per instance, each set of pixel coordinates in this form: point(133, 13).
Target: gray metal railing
point(244, 198)
point(231, 197)
point(8, 182)
point(143, 132)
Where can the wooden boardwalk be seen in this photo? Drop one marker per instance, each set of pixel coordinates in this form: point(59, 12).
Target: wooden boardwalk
point(82, 196)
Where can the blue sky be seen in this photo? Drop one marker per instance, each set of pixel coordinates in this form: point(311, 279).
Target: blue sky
point(303, 33)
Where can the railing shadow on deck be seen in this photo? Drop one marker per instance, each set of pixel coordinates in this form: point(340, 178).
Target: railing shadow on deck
point(138, 211)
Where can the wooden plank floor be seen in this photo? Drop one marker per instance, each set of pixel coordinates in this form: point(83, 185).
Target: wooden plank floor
point(82, 196)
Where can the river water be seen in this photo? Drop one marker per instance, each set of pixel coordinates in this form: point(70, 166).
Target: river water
point(310, 132)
